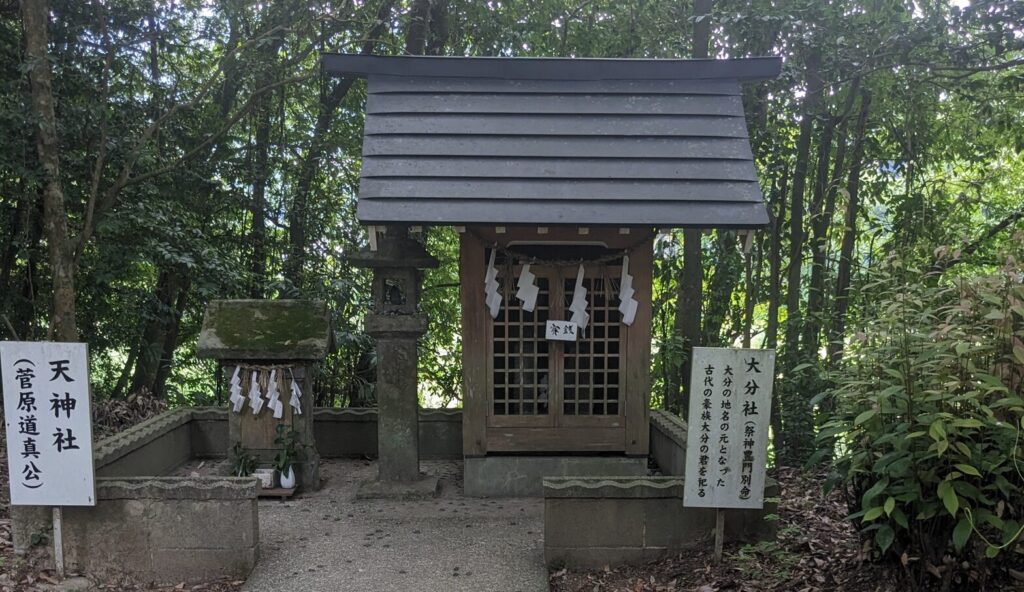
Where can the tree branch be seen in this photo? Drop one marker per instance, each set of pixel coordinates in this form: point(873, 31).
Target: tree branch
point(943, 264)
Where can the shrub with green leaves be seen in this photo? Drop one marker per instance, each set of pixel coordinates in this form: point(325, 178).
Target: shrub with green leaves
point(929, 411)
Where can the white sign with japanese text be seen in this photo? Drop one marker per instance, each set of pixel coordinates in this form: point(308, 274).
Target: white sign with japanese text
point(49, 423)
point(727, 436)
point(561, 330)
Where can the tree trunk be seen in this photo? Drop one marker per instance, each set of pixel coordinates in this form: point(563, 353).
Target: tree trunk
point(171, 340)
point(154, 334)
point(797, 438)
point(258, 203)
point(298, 214)
point(439, 29)
point(837, 330)
point(796, 205)
point(419, 23)
point(819, 227)
point(63, 321)
point(15, 227)
point(691, 279)
point(753, 275)
point(728, 267)
point(821, 224)
point(771, 332)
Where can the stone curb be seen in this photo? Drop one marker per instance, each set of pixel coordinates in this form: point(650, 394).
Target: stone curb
point(195, 488)
point(613, 487)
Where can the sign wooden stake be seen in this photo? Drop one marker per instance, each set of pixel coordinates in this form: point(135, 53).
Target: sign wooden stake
point(58, 542)
point(719, 534)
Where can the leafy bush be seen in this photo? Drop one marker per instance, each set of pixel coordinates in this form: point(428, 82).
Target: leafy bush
point(927, 427)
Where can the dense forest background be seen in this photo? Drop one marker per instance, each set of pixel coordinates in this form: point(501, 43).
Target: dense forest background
point(190, 150)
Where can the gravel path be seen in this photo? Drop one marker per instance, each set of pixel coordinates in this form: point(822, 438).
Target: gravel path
point(328, 541)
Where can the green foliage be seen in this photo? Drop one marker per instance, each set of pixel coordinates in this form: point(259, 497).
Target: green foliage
point(243, 462)
point(288, 447)
point(929, 412)
point(440, 364)
point(38, 539)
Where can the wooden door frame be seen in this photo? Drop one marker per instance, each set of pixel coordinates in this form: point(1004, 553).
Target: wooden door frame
point(478, 439)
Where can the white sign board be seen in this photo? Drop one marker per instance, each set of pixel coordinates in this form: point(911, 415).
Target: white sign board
point(561, 330)
point(727, 439)
point(49, 423)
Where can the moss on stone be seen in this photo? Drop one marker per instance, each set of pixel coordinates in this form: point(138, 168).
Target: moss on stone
point(265, 329)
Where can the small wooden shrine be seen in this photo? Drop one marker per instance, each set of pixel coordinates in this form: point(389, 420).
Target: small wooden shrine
point(268, 352)
point(558, 174)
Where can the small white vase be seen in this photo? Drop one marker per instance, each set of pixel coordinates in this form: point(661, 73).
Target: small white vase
point(288, 478)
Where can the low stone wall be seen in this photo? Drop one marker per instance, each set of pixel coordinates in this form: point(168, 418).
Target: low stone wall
point(596, 521)
point(352, 432)
point(151, 527)
point(158, 446)
point(152, 448)
point(522, 475)
point(165, 530)
point(133, 491)
point(668, 442)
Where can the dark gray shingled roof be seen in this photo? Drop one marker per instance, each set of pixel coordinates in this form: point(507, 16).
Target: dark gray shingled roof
point(622, 142)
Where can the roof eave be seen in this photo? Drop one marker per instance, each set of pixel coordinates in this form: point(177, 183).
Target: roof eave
point(529, 68)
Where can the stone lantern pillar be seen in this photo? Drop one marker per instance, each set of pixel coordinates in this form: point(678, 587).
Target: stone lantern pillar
point(396, 325)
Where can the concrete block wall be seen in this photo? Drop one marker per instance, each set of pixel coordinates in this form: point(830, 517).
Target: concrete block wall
point(591, 522)
point(166, 530)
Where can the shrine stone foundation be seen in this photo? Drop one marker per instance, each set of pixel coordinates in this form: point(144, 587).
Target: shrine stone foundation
point(156, 527)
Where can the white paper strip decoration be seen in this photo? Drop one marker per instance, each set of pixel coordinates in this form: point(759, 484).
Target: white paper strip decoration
point(235, 388)
point(255, 397)
point(491, 286)
point(296, 400)
point(627, 304)
point(578, 306)
point(274, 396)
point(528, 290)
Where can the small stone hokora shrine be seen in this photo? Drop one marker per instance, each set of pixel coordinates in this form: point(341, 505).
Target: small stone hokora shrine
point(268, 353)
point(556, 173)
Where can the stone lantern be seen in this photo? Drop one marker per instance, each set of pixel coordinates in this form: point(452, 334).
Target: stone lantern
point(396, 325)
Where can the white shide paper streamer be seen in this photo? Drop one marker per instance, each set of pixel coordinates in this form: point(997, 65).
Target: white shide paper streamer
point(296, 400)
point(255, 397)
point(235, 388)
point(491, 286)
point(528, 289)
point(579, 303)
point(274, 396)
point(627, 304)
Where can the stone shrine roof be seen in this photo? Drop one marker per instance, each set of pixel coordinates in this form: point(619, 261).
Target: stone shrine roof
point(265, 330)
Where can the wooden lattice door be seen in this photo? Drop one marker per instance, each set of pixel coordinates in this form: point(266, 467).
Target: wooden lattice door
point(554, 395)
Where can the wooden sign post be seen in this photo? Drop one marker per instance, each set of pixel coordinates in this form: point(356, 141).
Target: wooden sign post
point(727, 439)
point(48, 417)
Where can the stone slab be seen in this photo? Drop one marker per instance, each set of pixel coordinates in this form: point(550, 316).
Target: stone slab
point(521, 476)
